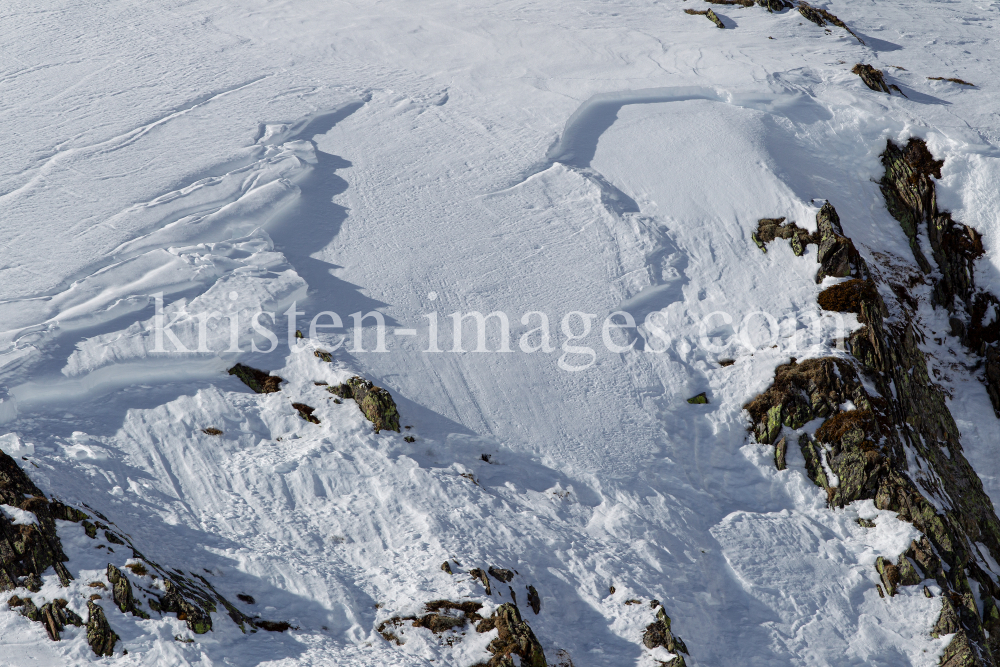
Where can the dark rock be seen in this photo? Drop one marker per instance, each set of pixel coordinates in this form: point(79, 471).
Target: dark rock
point(821, 17)
point(27, 551)
point(514, 638)
point(658, 633)
point(872, 77)
point(259, 381)
point(479, 574)
point(246, 598)
point(714, 18)
point(534, 601)
point(846, 297)
point(375, 403)
point(446, 567)
point(865, 523)
point(409, 438)
point(323, 356)
point(780, 449)
point(769, 229)
point(174, 601)
point(90, 529)
point(501, 574)
point(272, 626)
point(100, 636)
point(211, 430)
point(306, 412)
point(111, 537)
point(122, 592)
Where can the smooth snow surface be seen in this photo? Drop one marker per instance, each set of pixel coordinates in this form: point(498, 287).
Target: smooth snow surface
point(441, 157)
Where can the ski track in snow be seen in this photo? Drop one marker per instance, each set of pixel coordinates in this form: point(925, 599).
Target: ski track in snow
point(518, 157)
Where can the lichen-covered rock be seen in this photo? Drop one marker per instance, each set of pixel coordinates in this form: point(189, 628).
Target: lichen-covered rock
point(323, 356)
point(258, 380)
point(375, 403)
point(514, 638)
point(197, 619)
point(899, 415)
point(121, 592)
point(769, 229)
point(700, 399)
point(100, 636)
point(780, 451)
point(714, 18)
point(500, 574)
point(659, 634)
point(27, 551)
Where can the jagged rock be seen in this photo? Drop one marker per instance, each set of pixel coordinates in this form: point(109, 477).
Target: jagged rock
point(780, 449)
point(769, 229)
point(211, 430)
point(501, 574)
point(534, 601)
point(700, 399)
point(872, 77)
point(441, 616)
point(306, 412)
point(837, 255)
point(174, 601)
point(900, 414)
point(375, 403)
point(323, 356)
point(100, 636)
point(122, 592)
point(446, 567)
point(821, 16)
point(865, 523)
point(658, 633)
point(714, 18)
point(259, 381)
point(481, 576)
point(27, 551)
point(514, 638)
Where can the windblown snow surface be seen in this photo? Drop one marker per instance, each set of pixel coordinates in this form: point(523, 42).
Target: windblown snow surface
point(414, 158)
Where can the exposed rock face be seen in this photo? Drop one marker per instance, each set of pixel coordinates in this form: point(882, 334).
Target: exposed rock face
point(658, 634)
point(514, 638)
point(441, 616)
point(872, 77)
point(481, 576)
point(122, 593)
point(821, 17)
point(868, 447)
point(910, 197)
point(836, 253)
point(27, 551)
point(100, 636)
point(376, 403)
point(55, 616)
point(258, 380)
point(501, 574)
point(534, 601)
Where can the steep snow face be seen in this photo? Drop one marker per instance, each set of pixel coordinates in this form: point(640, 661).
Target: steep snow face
point(553, 158)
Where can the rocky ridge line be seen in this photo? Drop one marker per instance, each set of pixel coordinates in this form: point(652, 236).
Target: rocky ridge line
point(866, 447)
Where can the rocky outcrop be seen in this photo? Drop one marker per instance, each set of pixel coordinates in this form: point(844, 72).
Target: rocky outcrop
point(100, 636)
point(873, 78)
point(28, 549)
point(714, 18)
point(121, 591)
point(306, 412)
point(441, 616)
point(871, 429)
point(258, 380)
point(910, 196)
point(836, 253)
point(54, 616)
point(821, 17)
point(375, 403)
point(658, 633)
point(514, 637)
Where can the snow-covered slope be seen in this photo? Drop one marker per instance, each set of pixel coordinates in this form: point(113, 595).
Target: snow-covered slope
point(171, 161)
